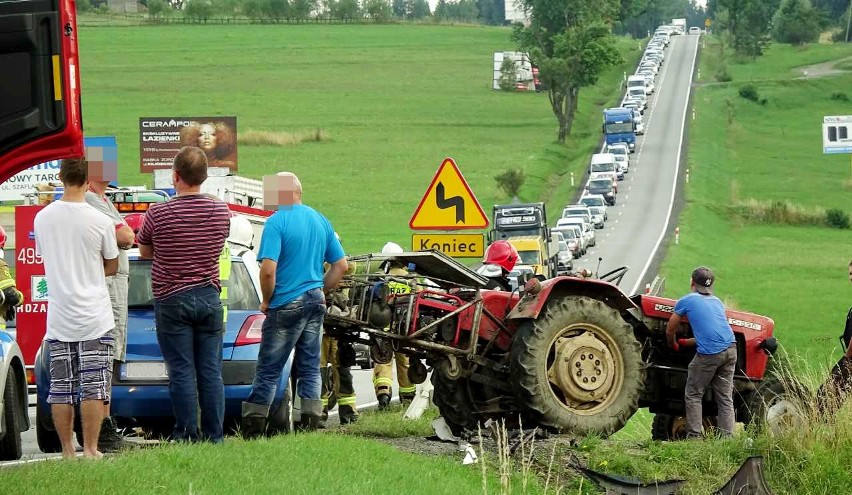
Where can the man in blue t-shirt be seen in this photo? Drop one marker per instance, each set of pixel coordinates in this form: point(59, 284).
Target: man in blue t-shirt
point(296, 240)
point(716, 359)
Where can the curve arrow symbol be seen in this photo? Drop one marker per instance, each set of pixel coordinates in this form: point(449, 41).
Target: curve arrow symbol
point(443, 202)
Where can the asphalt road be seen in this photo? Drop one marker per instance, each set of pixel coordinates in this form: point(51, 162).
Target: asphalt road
point(639, 222)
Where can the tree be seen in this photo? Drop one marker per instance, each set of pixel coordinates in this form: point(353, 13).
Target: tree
point(796, 22)
point(491, 12)
point(510, 181)
point(748, 24)
point(572, 45)
point(508, 74)
point(199, 10)
point(399, 10)
point(274, 9)
point(301, 9)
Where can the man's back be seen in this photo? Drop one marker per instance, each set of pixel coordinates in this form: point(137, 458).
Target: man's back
point(299, 240)
point(73, 239)
point(706, 315)
point(188, 234)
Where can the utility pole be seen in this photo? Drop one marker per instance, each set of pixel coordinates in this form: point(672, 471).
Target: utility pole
point(849, 21)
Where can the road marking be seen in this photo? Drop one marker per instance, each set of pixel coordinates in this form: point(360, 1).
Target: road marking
point(620, 212)
point(625, 199)
point(674, 177)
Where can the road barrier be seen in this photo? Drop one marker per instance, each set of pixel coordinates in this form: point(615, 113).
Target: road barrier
point(677, 235)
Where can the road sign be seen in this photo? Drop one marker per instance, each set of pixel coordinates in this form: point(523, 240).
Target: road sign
point(836, 134)
point(708, 22)
point(455, 245)
point(448, 204)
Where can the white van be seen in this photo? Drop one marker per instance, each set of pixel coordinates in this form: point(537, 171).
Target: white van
point(605, 163)
point(638, 82)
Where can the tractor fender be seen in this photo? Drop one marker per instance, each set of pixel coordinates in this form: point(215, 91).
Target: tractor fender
point(531, 305)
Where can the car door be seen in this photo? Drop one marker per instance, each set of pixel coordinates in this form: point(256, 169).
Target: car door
point(40, 117)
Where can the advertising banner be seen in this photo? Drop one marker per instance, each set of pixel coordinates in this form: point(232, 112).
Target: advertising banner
point(29, 277)
point(160, 139)
point(101, 151)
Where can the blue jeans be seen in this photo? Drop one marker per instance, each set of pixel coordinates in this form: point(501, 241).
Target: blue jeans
point(190, 330)
point(298, 325)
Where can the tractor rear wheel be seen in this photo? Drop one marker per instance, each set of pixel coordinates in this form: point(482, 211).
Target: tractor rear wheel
point(778, 405)
point(668, 427)
point(578, 368)
point(452, 401)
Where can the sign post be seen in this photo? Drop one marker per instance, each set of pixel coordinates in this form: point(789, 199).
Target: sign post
point(449, 205)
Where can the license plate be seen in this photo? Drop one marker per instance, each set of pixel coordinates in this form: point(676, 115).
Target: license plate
point(145, 371)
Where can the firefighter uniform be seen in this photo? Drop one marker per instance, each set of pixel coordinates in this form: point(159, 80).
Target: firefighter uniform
point(383, 373)
point(337, 380)
point(11, 296)
point(224, 276)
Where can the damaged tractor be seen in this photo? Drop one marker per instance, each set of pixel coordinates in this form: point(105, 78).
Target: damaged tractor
point(573, 355)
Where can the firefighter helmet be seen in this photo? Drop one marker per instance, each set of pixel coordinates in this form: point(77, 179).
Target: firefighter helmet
point(2, 237)
point(503, 254)
point(392, 248)
point(241, 231)
point(134, 221)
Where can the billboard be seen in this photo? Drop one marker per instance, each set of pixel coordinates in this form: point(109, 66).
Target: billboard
point(101, 151)
point(160, 139)
point(836, 134)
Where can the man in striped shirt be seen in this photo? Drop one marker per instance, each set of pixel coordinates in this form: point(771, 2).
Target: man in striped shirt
point(185, 237)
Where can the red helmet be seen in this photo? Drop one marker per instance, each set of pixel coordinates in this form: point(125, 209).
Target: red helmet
point(503, 254)
point(2, 237)
point(134, 221)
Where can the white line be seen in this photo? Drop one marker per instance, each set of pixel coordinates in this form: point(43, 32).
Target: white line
point(674, 177)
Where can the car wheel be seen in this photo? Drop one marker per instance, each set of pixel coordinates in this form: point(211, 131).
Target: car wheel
point(10, 444)
point(46, 436)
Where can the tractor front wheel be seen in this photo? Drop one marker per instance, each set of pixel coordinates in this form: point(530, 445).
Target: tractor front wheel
point(668, 427)
point(452, 400)
point(578, 367)
point(778, 405)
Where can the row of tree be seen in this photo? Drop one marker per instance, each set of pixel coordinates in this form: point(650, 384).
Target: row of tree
point(749, 25)
point(467, 11)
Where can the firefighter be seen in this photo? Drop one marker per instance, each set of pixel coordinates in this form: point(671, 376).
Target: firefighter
point(383, 373)
point(336, 361)
point(500, 259)
point(10, 296)
point(241, 239)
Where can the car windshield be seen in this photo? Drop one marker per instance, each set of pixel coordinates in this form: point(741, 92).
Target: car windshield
point(600, 184)
point(617, 150)
point(597, 210)
point(603, 167)
point(242, 294)
point(563, 246)
point(638, 83)
point(572, 212)
point(528, 257)
point(619, 127)
point(589, 201)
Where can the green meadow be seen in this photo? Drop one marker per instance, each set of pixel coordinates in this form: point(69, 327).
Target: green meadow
point(392, 100)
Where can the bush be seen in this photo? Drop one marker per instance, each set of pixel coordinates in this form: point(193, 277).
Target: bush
point(779, 212)
point(508, 75)
point(749, 92)
point(836, 218)
point(839, 96)
point(722, 74)
point(510, 181)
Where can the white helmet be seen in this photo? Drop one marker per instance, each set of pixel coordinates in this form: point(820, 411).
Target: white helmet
point(392, 248)
point(241, 231)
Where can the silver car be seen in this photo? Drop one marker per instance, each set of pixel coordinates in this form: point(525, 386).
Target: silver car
point(15, 417)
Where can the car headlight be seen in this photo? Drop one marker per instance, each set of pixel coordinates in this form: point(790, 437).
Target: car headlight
point(609, 193)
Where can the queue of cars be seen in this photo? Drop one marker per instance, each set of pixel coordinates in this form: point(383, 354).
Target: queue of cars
point(579, 221)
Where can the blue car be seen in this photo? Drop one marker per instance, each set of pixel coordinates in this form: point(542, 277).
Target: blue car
point(140, 392)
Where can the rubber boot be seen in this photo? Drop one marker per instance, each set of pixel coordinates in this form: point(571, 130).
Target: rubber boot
point(311, 415)
point(323, 419)
point(253, 422)
point(110, 441)
point(347, 414)
point(384, 401)
point(405, 399)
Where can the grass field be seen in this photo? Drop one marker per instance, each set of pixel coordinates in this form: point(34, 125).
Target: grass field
point(393, 100)
point(741, 150)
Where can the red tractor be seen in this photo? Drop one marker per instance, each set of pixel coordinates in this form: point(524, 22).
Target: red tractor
point(569, 354)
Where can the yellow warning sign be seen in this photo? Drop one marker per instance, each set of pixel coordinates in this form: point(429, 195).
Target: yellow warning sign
point(448, 204)
point(454, 245)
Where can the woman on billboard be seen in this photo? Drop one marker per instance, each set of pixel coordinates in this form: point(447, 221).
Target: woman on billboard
point(217, 139)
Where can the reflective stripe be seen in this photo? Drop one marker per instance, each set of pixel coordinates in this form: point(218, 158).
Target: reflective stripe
point(383, 381)
point(405, 390)
point(346, 400)
point(5, 284)
point(224, 276)
point(399, 288)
